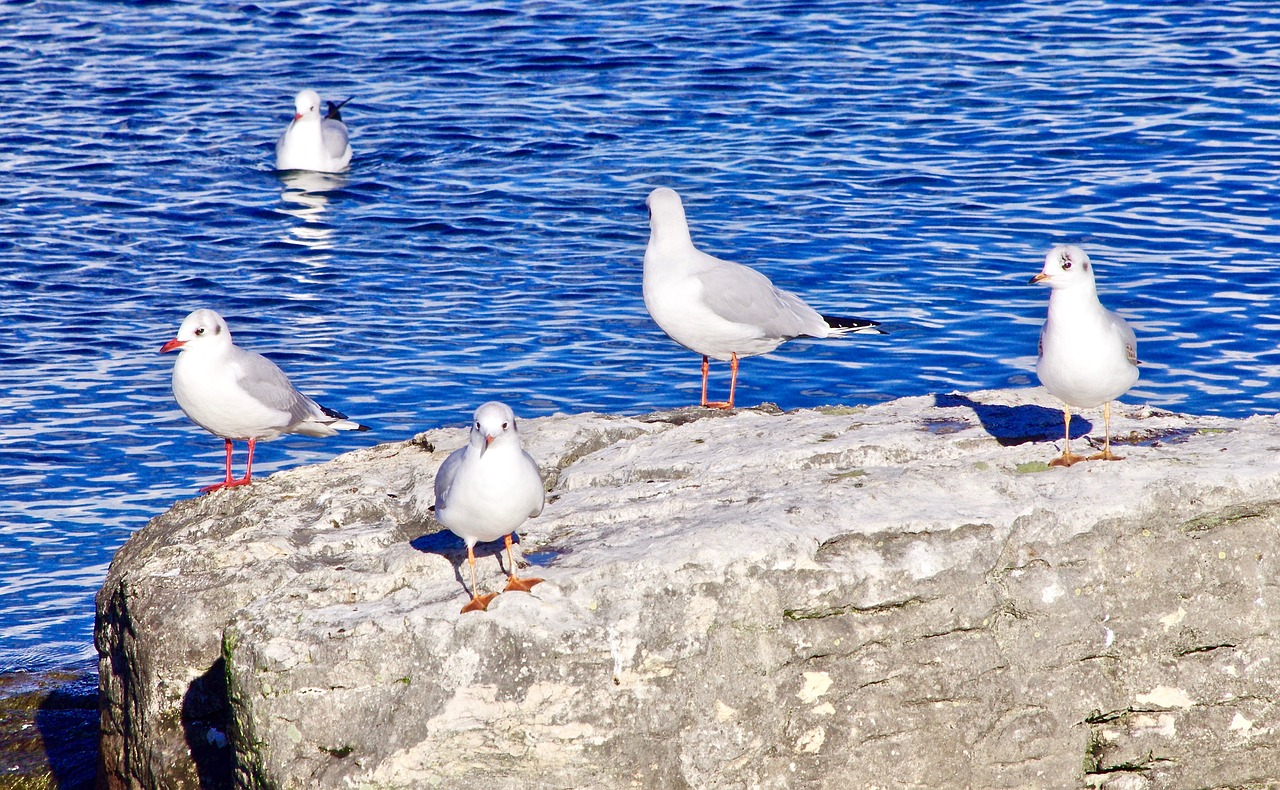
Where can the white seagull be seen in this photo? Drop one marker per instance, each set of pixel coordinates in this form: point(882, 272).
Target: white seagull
point(719, 309)
point(1088, 354)
point(312, 141)
point(487, 489)
point(240, 395)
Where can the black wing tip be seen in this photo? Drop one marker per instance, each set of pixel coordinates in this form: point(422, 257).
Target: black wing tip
point(334, 414)
point(334, 108)
point(837, 322)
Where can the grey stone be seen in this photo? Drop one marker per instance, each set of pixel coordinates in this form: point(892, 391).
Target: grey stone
point(895, 596)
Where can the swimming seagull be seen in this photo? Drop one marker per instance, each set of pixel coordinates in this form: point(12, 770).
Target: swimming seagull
point(313, 142)
point(488, 488)
point(240, 395)
point(719, 309)
point(1088, 354)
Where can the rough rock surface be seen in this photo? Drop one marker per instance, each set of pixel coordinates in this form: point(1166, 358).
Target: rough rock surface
point(897, 596)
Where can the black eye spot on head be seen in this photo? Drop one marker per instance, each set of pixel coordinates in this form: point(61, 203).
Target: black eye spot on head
point(217, 329)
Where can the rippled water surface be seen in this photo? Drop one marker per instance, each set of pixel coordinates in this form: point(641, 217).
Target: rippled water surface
point(905, 161)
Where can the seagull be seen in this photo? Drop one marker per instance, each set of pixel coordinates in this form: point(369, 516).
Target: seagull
point(487, 489)
point(312, 142)
point(240, 395)
point(719, 309)
point(1088, 354)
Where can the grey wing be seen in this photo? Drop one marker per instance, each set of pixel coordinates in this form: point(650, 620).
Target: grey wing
point(334, 134)
point(743, 295)
point(446, 473)
point(542, 486)
point(267, 384)
point(1129, 338)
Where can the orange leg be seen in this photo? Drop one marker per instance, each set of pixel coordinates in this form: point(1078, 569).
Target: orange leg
point(733, 384)
point(229, 482)
point(514, 582)
point(1066, 459)
point(1106, 454)
point(478, 603)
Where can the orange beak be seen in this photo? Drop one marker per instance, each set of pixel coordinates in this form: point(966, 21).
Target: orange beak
point(172, 345)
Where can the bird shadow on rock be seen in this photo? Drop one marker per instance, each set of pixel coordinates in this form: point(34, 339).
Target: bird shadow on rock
point(206, 718)
point(453, 548)
point(1014, 425)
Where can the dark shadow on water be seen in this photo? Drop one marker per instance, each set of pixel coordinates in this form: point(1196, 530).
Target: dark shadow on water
point(67, 721)
point(1014, 425)
point(205, 719)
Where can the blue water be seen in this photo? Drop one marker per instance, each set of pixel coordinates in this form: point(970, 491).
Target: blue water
point(907, 161)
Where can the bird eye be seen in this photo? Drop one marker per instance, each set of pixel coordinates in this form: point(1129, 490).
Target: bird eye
point(199, 331)
point(1066, 264)
point(477, 425)
point(504, 426)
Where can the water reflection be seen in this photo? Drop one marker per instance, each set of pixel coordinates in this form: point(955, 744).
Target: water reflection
point(305, 197)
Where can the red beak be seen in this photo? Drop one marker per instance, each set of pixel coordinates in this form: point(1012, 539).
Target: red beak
point(172, 345)
point(488, 440)
point(297, 117)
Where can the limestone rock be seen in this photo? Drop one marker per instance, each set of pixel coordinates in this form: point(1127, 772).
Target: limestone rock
point(901, 595)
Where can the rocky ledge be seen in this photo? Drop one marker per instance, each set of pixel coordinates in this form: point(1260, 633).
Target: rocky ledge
point(903, 595)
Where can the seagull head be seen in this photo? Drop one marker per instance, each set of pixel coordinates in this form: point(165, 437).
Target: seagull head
point(668, 226)
point(307, 102)
point(1064, 267)
point(494, 422)
point(202, 329)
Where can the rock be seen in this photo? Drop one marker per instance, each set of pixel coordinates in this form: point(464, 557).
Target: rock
point(901, 595)
point(48, 729)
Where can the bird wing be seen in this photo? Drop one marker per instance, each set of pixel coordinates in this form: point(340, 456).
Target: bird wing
point(745, 296)
point(267, 384)
point(542, 490)
point(446, 473)
point(1130, 339)
point(334, 135)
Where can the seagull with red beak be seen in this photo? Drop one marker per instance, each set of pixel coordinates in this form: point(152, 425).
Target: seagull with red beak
point(240, 395)
point(487, 489)
point(312, 141)
point(1088, 354)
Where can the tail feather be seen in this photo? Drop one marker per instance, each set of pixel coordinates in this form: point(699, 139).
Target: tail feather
point(847, 326)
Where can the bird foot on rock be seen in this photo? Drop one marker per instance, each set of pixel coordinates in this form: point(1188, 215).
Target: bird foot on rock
point(1067, 459)
point(1105, 455)
point(244, 481)
point(718, 404)
point(521, 585)
point(479, 603)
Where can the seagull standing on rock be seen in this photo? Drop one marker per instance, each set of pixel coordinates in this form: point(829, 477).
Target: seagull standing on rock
point(1088, 354)
point(487, 489)
point(240, 395)
point(312, 141)
point(719, 309)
